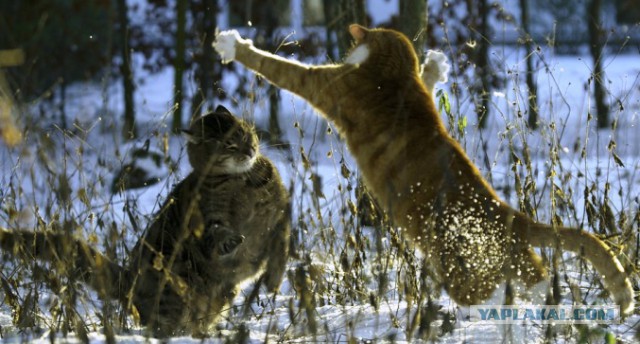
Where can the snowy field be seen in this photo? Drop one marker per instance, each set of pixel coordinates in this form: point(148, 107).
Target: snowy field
point(359, 276)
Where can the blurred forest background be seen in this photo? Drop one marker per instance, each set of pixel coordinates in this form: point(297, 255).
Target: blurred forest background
point(48, 45)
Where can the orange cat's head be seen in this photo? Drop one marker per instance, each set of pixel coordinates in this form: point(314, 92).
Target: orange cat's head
point(388, 51)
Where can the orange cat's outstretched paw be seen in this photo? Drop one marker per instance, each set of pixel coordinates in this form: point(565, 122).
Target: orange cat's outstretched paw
point(225, 44)
point(434, 69)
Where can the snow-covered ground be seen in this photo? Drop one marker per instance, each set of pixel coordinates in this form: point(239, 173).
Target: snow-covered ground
point(87, 154)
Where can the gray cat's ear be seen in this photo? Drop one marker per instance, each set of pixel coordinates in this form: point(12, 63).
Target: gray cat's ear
point(190, 136)
point(222, 109)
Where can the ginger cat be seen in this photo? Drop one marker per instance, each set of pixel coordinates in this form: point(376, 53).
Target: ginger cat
point(418, 173)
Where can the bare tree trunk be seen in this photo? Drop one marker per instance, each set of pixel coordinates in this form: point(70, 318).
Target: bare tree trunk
point(206, 72)
point(627, 12)
point(129, 127)
point(271, 22)
point(62, 104)
point(596, 49)
point(178, 64)
point(413, 23)
point(349, 12)
point(339, 15)
point(532, 120)
point(330, 9)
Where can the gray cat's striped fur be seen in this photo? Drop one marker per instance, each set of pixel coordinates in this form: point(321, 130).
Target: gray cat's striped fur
point(226, 222)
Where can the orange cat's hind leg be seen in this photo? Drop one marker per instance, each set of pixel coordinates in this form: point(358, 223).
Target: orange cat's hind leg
point(528, 267)
point(476, 285)
point(467, 279)
point(467, 288)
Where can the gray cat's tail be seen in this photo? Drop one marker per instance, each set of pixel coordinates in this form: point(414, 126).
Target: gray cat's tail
point(64, 251)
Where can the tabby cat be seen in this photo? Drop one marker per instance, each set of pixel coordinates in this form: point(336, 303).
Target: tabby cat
point(418, 173)
point(223, 224)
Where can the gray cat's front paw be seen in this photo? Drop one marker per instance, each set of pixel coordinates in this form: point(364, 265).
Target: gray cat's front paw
point(229, 244)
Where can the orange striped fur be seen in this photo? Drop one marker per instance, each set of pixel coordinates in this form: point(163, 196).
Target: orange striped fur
point(418, 173)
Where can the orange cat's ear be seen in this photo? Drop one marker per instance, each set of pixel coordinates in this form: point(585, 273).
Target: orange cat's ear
point(358, 32)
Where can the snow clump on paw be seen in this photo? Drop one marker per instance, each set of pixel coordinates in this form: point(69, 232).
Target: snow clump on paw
point(225, 44)
point(437, 65)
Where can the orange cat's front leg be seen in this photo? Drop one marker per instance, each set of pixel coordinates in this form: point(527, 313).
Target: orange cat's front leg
point(317, 84)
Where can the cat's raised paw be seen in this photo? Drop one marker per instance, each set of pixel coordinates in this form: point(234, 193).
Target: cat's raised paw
point(225, 44)
point(434, 69)
point(437, 65)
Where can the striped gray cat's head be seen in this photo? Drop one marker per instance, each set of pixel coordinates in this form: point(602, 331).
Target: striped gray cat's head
point(220, 143)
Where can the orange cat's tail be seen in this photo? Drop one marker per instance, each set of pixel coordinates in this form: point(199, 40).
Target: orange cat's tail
point(65, 252)
point(595, 251)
